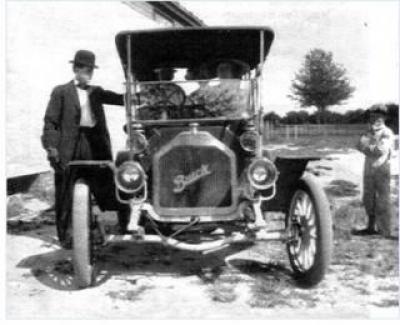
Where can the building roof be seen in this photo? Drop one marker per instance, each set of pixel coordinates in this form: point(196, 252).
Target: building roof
point(170, 11)
point(177, 12)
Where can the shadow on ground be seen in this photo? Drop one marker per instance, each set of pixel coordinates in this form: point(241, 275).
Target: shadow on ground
point(341, 188)
point(54, 269)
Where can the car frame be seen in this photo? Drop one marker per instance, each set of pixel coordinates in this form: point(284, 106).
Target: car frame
point(140, 182)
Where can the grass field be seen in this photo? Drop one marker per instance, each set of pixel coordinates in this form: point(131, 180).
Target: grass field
point(363, 278)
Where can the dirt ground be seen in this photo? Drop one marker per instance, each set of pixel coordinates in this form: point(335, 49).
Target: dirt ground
point(150, 281)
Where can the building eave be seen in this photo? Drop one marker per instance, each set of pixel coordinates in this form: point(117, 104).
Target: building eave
point(171, 11)
point(176, 12)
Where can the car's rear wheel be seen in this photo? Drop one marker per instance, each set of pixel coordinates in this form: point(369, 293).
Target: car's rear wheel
point(310, 228)
point(81, 234)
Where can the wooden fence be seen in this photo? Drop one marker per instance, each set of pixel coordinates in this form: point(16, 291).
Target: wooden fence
point(295, 131)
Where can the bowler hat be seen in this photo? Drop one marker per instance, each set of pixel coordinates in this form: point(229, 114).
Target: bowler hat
point(85, 58)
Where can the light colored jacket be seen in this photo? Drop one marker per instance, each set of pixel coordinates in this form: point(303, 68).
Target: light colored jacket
point(377, 147)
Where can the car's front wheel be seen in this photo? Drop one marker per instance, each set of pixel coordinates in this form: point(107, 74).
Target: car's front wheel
point(310, 231)
point(81, 235)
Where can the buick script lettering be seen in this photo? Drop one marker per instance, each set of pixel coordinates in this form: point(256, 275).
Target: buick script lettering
point(182, 181)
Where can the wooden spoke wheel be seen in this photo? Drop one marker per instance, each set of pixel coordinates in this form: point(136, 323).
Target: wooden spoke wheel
point(310, 229)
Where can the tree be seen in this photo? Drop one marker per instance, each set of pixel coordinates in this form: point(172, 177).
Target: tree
point(272, 117)
point(354, 116)
point(320, 82)
point(296, 117)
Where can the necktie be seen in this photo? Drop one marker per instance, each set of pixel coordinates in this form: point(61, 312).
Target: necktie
point(83, 86)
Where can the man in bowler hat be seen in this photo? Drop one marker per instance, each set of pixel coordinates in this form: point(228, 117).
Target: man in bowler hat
point(75, 129)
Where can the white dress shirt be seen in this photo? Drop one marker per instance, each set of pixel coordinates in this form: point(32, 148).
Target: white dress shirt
point(87, 117)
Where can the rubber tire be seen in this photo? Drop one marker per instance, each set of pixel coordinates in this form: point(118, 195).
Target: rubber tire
point(81, 220)
point(324, 241)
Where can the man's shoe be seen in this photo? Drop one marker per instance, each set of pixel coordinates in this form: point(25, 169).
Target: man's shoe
point(364, 232)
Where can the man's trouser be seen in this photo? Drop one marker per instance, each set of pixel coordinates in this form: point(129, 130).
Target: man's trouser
point(88, 147)
point(376, 197)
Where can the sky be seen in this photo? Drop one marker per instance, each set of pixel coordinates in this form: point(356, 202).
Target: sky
point(42, 36)
point(362, 35)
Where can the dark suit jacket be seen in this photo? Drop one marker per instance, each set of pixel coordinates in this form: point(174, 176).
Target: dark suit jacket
point(62, 118)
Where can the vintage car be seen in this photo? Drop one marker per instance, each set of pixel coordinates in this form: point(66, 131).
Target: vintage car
point(195, 174)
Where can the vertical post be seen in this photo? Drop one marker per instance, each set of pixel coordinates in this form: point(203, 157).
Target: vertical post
point(261, 65)
point(128, 104)
point(260, 90)
point(287, 132)
point(267, 130)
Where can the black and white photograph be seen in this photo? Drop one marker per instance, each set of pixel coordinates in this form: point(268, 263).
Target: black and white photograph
point(201, 159)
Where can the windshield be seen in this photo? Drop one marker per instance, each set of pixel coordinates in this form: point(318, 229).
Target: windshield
point(171, 100)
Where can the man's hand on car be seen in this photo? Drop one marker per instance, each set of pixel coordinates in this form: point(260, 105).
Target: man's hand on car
point(54, 159)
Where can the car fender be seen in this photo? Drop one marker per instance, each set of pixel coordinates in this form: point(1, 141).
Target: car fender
point(100, 176)
point(290, 169)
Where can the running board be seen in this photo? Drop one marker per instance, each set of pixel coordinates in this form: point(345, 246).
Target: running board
point(235, 238)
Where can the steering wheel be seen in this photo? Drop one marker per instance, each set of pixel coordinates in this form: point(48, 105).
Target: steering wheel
point(161, 97)
point(171, 93)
